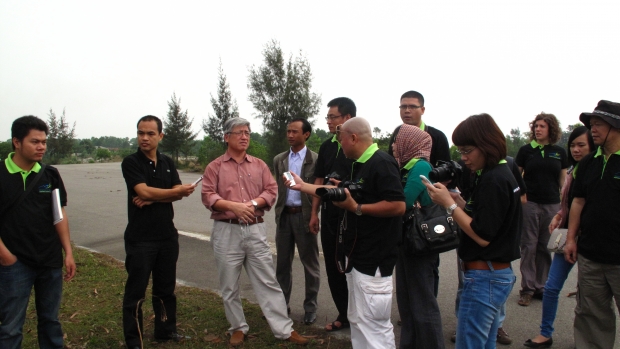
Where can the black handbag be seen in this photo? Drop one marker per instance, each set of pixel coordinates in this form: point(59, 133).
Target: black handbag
point(429, 229)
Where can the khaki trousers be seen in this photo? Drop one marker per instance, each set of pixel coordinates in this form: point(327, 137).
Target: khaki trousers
point(237, 245)
point(595, 318)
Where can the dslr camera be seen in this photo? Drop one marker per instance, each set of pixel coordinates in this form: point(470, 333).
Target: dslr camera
point(447, 171)
point(328, 179)
point(338, 194)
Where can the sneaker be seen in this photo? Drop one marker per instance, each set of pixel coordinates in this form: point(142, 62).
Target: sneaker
point(453, 337)
point(502, 337)
point(525, 300)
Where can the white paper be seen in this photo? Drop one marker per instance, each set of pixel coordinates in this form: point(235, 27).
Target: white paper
point(56, 208)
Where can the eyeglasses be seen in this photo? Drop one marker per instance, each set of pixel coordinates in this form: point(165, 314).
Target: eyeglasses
point(338, 137)
point(409, 106)
point(465, 151)
point(240, 133)
point(332, 117)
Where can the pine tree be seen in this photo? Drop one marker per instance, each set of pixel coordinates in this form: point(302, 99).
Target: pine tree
point(61, 138)
point(178, 135)
point(280, 91)
point(224, 107)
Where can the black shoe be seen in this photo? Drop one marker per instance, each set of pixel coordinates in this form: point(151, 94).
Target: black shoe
point(309, 318)
point(172, 337)
point(538, 295)
point(546, 344)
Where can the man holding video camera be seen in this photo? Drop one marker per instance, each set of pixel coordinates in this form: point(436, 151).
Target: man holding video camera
point(374, 203)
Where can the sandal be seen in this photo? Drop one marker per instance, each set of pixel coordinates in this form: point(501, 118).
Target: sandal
point(335, 327)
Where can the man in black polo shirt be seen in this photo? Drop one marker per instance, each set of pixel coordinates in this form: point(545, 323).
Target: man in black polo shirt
point(371, 226)
point(596, 211)
point(411, 111)
point(30, 243)
point(151, 240)
point(332, 162)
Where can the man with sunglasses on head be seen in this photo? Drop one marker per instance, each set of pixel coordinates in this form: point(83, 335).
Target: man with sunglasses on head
point(332, 162)
point(373, 205)
point(238, 188)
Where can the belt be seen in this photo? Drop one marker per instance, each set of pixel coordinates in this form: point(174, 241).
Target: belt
point(484, 265)
point(292, 209)
point(236, 221)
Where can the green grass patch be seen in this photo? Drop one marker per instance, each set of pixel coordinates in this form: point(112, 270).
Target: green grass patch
point(90, 314)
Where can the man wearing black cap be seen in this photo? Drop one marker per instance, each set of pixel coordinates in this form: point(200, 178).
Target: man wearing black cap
point(596, 212)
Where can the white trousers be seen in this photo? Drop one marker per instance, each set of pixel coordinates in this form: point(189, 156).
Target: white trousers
point(370, 307)
point(234, 246)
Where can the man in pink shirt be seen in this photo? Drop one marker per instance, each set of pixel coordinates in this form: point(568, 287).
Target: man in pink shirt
point(238, 188)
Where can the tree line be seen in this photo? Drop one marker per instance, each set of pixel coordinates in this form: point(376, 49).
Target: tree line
point(280, 90)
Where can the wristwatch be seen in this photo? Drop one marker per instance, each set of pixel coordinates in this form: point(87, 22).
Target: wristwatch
point(451, 209)
point(358, 210)
point(255, 204)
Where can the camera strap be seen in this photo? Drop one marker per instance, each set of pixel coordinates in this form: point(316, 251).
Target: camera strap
point(342, 259)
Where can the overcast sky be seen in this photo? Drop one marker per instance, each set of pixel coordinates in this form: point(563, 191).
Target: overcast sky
point(110, 62)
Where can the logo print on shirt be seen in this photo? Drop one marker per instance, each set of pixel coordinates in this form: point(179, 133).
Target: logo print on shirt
point(617, 175)
point(45, 188)
point(555, 155)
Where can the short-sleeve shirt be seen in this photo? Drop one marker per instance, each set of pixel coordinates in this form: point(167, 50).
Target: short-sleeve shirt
point(598, 182)
point(371, 241)
point(495, 209)
point(226, 179)
point(331, 160)
point(29, 232)
point(151, 222)
point(542, 166)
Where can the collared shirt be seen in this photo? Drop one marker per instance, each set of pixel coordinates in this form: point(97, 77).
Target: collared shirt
point(295, 162)
point(542, 166)
point(13, 168)
point(370, 242)
point(225, 179)
point(155, 221)
point(598, 182)
point(28, 231)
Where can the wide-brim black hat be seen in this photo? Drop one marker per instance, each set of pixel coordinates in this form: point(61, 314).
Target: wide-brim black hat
point(606, 110)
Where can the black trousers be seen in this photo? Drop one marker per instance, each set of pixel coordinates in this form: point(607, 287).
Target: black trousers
point(336, 280)
point(158, 258)
point(417, 304)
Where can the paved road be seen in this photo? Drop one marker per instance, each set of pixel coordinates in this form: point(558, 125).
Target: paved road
point(98, 214)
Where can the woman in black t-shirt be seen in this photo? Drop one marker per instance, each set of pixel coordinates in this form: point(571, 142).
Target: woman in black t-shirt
point(580, 143)
point(491, 223)
point(544, 169)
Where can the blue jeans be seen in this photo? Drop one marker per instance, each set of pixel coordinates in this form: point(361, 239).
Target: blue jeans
point(484, 294)
point(16, 282)
point(502, 312)
point(558, 274)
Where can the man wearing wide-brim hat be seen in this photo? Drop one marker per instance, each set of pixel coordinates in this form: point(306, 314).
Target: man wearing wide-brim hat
point(595, 211)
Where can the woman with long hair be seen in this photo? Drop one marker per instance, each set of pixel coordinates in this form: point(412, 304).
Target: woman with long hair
point(490, 221)
point(580, 143)
point(415, 277)
point(544, 169)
